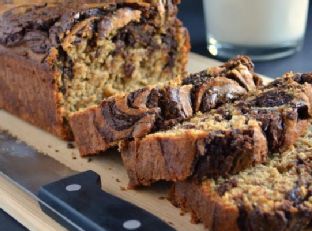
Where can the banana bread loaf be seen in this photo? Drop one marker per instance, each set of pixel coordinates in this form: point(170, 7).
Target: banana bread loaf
point(213, 145)
point(276, 196)
point(59, 58)
point(150, 109)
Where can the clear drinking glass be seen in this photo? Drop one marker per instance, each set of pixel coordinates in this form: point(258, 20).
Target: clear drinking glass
point(262, 29)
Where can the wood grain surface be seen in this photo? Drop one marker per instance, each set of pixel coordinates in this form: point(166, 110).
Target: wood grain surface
point(23, 208)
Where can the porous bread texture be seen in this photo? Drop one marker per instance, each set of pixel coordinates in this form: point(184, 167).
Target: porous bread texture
point(72, 54)
point(117, 59)
point(207, 122)
point(273, 196)
point(284, 181)
point(266, 185)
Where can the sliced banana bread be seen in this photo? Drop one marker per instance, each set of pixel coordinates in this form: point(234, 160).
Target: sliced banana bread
point(276, 196)
point(282, 107)
point(209, 142)
point(151, 109)
point(58, 58)
point(209, 145)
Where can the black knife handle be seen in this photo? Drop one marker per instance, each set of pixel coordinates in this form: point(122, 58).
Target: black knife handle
point(80, 199)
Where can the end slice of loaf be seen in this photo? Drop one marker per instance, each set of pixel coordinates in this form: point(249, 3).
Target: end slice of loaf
point(276, 196)
point(206, 147)
point(151, 109)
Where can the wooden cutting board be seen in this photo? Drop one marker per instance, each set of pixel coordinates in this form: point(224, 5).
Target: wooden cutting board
point(108, 166)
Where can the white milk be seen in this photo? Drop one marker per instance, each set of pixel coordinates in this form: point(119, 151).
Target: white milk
point(256, 22)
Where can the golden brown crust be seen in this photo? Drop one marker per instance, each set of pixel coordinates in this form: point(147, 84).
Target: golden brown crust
point(29, 91)
point(155, 159)
point(182, 34)
point(293, 131)
point(205, 206)
point(88, 137)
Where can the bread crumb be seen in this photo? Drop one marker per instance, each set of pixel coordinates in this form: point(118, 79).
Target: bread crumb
point(70, 145)
point(74, 157)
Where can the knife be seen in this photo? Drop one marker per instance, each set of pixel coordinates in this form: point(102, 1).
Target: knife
point(75, 200)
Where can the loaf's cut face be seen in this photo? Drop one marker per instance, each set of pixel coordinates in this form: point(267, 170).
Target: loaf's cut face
point(119, 48)
point(97, 50)
point(275, 196)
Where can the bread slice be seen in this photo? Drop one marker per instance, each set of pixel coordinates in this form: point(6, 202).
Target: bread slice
point(282, 107)
point(274, 196)
point(59, 58)
point(218, 144)
point(205, 143)
point(151, 109)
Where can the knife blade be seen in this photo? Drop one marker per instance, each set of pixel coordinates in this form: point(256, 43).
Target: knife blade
point(74, 200)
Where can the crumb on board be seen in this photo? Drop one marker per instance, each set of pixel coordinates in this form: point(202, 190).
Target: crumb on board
point(56, 150)
point(122, 188)
point(117, 180)
point(162, 198)
point(70, 145)
point(74, 157)
point(89, 159)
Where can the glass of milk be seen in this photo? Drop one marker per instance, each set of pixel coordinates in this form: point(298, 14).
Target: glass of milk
point(262, 29)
